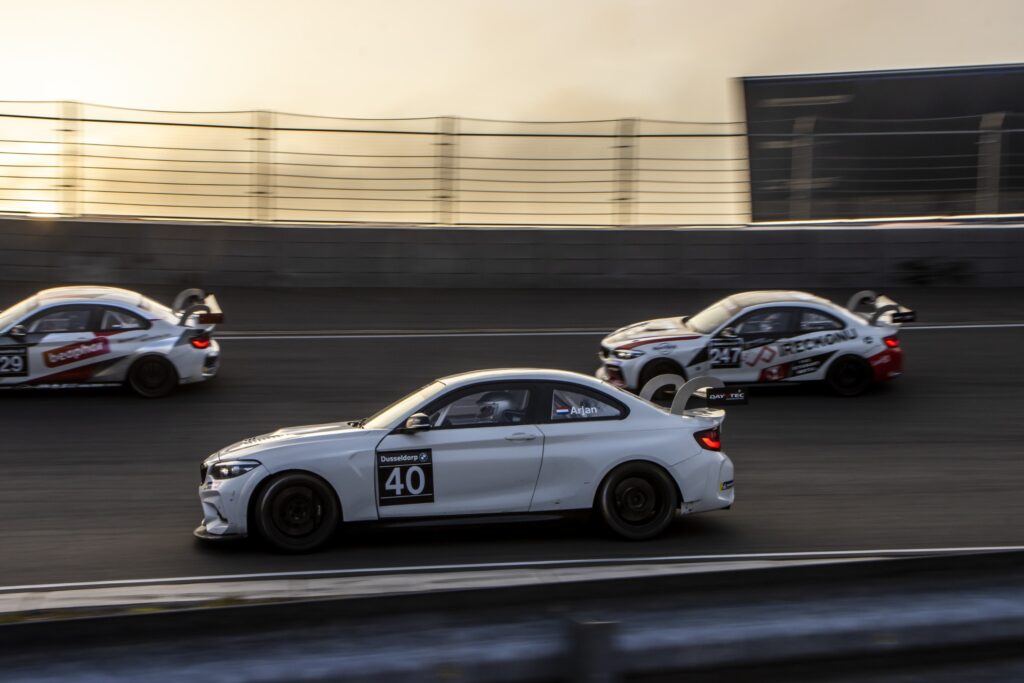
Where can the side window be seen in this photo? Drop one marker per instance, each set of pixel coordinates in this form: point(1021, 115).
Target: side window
point(816, 321)
point(766, 322)
point(58, 320)
point(117, 319)
point(486, 408)
point(568, 405)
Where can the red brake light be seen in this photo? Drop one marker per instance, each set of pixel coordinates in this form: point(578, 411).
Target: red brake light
point(201, 342)
point(892, 342)
point(709, 439)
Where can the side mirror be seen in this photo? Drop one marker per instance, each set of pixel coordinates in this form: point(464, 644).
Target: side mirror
point(417, 422)
point(17, 332)
point(728, 332)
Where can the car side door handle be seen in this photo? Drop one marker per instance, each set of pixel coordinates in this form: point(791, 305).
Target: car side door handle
point(521, 436)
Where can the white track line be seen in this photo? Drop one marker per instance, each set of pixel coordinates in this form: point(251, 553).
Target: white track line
point(422, 334)
point(892, 552)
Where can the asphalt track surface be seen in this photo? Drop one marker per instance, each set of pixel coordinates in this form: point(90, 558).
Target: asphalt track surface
point(97, 484)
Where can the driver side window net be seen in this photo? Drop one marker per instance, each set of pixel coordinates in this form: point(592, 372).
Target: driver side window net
point(61, 320)
point(771, 321)
point(119, 320)
point(572, 405)
point(483, 409)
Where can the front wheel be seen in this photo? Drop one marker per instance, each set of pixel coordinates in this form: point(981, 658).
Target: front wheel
point(152, 377)
point(637, 501)
point(849, 376)
point(296, 513)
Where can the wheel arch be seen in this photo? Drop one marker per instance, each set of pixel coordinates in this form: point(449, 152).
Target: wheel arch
point(250, 506)
point(634, 461)
point(676, 366)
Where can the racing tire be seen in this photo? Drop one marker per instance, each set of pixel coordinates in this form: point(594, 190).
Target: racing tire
point(152, 377)
point(849, 376)
point(296, 513)
point(637, 501)
point(660, 367)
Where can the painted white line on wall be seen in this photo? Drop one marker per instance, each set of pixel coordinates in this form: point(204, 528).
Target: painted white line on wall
point(449, 334)
point(370, 571)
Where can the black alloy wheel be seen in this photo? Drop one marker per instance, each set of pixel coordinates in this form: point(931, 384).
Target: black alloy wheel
point(296, 513)
point(152, 377)
point(637, 500)
point(849, 376)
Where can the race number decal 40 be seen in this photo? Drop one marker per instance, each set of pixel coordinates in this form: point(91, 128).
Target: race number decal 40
point(13, 363)
point(405, 477)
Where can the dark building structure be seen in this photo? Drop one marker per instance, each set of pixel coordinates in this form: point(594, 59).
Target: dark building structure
point(927, 142)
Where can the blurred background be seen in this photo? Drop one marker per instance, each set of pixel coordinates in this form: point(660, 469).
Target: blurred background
point(384, 193)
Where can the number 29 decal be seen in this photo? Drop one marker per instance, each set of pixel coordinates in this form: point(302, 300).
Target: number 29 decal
point(405, 477)
point(13, 363)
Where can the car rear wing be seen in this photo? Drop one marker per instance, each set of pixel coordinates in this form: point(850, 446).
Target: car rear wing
point(196, 302)
point(710, 389)
point(879, 305)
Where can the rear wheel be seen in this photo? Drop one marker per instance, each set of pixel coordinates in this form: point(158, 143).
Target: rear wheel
point(849, 375)
point(637, 501)
point(296, 513)
point(152, 377)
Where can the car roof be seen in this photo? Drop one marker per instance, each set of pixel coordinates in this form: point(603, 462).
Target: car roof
point(520, 374)
point(775, 296)
point(88, 294)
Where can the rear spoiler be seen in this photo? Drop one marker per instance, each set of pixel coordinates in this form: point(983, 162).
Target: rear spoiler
point(879, 305)
point(197, 302)
point(711, 389)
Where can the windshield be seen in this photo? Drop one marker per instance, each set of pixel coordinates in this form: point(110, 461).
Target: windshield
point(16, 312)
point(403, 406)
point(712, 317)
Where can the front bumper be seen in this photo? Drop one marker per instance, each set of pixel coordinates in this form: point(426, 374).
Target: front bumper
point(225, 504)
point(615, 374)
point(201, 532)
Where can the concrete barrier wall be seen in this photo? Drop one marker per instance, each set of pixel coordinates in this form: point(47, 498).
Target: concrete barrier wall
point(58, 251)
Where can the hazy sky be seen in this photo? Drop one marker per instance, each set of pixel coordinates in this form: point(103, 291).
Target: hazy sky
point(560, 59)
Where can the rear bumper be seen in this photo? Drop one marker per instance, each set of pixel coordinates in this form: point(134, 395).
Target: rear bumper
point(887, 365)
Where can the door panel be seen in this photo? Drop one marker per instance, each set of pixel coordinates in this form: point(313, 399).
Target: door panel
point(472, 470)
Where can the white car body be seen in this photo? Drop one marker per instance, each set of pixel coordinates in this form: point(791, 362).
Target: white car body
point(758, 337)
point(94, 335)
point(542, 463)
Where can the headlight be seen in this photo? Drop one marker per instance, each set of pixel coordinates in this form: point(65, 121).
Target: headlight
point(626, 354)
point(232, 468)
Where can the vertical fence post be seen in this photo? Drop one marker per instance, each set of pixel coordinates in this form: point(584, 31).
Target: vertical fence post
point(262, 173)
point(592, 655)
point(625, 172)
point(444, 170)
point(801, 171)
point(70, 157)
point(990, 154)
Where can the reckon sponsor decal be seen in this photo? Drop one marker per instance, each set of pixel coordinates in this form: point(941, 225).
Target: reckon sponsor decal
point(75, 352)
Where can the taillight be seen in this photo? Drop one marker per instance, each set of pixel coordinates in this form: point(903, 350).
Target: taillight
point(201, 342)
point(892, 342)
point(709, 439)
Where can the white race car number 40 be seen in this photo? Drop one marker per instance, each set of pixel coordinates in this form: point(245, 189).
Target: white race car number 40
point(405, 477)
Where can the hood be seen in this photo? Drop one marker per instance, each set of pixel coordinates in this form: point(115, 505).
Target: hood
point(288, 436)
point(651, 329)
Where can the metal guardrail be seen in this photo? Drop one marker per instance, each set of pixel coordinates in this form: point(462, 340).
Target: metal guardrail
point(74, 159)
